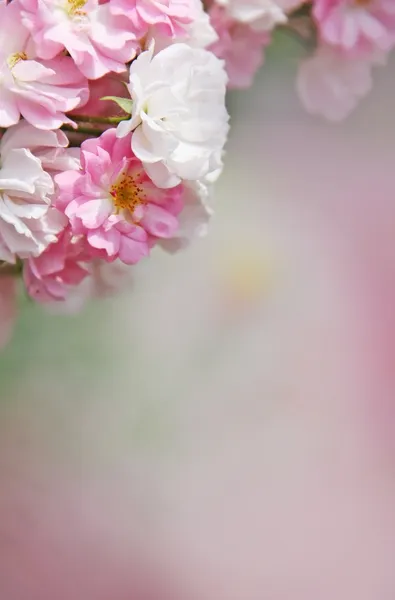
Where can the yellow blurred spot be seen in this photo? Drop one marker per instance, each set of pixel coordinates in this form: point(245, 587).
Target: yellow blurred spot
point(248, 274)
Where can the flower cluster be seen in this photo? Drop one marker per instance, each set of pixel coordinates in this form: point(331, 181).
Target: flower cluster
point(112, 130)
point(353, 36)
point(113, 120)
point(348, 39)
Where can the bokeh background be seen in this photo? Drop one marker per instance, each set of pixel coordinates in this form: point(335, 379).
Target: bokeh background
point(224, 430)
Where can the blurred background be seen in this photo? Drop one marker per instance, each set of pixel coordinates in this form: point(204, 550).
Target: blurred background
point(226, 428)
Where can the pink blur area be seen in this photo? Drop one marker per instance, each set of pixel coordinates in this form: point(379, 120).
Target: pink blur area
point(236, 442)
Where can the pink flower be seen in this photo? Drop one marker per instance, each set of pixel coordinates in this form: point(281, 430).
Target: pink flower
point(167, 17)
point(50, 276)
point(357, 25)
point(263, 15)
point(97, 42)
point(28, 222)
point(48, 146)
point(104, 279)
point(7, 307)
point(198, 33)
point(239, 45)
point(113, 202)
point(331, 83)
point(41, 91)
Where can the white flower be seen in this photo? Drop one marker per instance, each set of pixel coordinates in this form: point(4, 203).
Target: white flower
point(178, 114)
point(330, 83)
point(263, 15)
point(27, 223)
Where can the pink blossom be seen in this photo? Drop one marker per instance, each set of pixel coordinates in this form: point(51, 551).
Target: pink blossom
point(49, 277)
point(263, 15)
point(28, 222)
point(41, 91)
point(97, 41)
point(239, 45)
point(198, 33)
point(114, 203)
point(103, 279)
point(7, 308)
point(167, 17)
point(331, 83)
point(50, 147)
point(357, 25)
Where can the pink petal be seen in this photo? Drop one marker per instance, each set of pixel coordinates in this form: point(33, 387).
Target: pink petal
point(93, 213)
point(158, 222)
point(105, 240)
point(131, 251)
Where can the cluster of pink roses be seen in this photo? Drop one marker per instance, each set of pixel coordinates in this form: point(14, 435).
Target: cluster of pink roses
point(354, 36)
point(350, 38)
point(113, 118)
point(87, 181)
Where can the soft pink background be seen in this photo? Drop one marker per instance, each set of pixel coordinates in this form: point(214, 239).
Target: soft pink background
point(236, 440)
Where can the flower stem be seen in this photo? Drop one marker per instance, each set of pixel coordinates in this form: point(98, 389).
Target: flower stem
point(83, 130)
point(7, 270)
point(103, 120)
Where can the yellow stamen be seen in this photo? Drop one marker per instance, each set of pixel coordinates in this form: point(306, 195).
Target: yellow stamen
point(15, 58)
point(127, 194)
point(74, 7)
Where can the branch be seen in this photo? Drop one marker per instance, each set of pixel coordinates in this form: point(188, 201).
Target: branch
point(82, 130)
point(101, 120)
point(8, 270)
point(86, 122)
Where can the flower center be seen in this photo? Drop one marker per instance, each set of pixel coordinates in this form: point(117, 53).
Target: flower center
point(74, 7)
point(15, 58)
point(127, 194)
point(362, 3)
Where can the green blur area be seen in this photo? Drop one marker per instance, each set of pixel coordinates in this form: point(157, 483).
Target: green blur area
point(44, 340)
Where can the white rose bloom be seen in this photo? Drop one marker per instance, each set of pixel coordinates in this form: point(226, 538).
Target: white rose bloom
point(179, 116)
point(27, 223)
point(262, 15)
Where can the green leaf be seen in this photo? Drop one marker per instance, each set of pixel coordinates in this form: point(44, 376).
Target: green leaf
point(125, 103)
